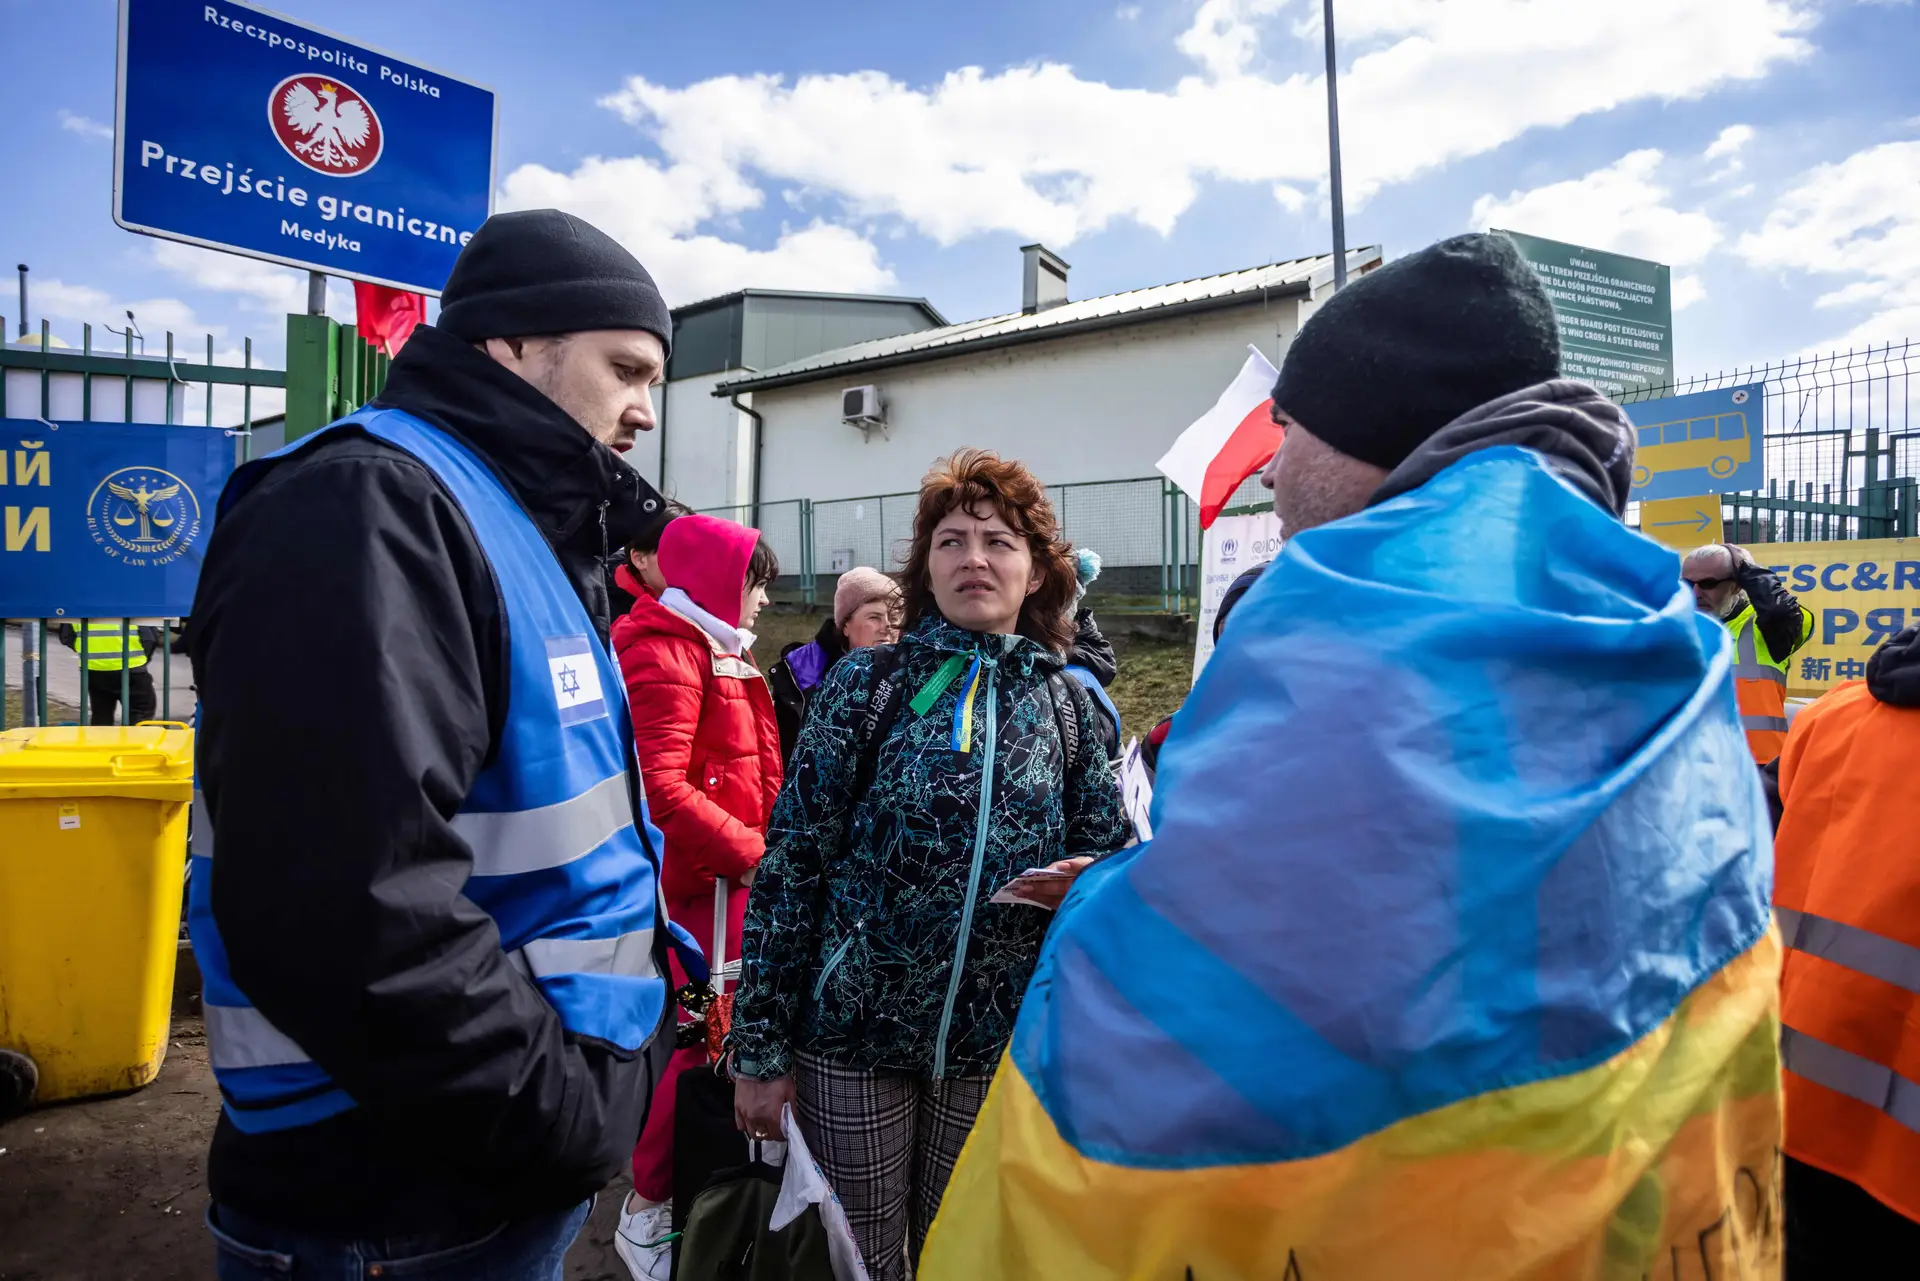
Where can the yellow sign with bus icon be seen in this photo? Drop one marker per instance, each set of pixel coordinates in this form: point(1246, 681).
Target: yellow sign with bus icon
point(1704, 443)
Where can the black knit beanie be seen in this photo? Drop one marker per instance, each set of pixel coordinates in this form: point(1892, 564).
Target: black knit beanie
point(541, 271)
point(1409, 347)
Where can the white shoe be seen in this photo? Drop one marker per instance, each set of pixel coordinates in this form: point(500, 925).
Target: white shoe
point(641, 1240)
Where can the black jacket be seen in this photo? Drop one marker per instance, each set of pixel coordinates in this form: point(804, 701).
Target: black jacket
point(338, 876)
point(789, 700)
point(1093, 651)
point(1776, 611)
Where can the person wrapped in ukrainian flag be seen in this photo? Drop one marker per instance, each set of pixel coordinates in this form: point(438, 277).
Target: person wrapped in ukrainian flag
point(1451, 956)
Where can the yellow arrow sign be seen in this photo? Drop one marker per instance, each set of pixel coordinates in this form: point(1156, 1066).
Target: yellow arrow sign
point(1683, 523)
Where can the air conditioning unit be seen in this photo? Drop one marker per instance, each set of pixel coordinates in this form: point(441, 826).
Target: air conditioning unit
point(862, 407)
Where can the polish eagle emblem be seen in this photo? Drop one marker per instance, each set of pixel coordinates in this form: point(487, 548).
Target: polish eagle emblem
point(325, 125)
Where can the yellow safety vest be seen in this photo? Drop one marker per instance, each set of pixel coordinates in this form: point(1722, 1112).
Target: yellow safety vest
point(104, 649)
point(1760, 683)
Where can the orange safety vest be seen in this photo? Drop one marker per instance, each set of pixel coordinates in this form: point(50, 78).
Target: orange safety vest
point(1761, 686)
point(1847, 895)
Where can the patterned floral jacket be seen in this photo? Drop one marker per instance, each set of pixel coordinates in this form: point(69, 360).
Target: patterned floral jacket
point(861, 912)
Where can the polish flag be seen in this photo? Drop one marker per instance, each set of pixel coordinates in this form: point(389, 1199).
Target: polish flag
point(1230, 442)
point(386, 317)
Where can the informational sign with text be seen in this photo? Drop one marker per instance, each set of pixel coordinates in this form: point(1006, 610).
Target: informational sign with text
point(1615, 312)
point(241, 130)
point(1234, 545)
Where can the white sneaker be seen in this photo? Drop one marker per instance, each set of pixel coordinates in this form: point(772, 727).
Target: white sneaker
point(641, 1240)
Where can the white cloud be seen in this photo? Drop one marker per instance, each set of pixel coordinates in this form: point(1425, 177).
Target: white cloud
point(1039, 151)
point(1223, 38)
point(78, 304)
point(1729, 142)
point(1855, 221)
point(75, 123)
point(1623, 208)
point(259, 286)
point(1128, 13)
point(656, 212)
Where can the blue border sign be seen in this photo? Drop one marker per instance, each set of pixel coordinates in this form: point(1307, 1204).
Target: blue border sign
point(1708, 442)
point(238, 129)
point(106, 520)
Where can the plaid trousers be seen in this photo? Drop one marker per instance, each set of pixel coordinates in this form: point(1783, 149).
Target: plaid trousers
point(887, 1142)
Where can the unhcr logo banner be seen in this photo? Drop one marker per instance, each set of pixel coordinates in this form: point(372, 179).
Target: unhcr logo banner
point(104, 520)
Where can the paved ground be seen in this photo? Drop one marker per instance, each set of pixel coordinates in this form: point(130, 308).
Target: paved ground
point(116, 1188)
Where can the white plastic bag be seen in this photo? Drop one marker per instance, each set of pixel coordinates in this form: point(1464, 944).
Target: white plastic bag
point(802, 1185)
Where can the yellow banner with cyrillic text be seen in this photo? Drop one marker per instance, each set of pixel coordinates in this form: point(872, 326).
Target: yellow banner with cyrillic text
point(1860, 592)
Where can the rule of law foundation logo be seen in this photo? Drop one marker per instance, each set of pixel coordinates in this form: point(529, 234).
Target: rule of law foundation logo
point(325, 125)
point(143, 516)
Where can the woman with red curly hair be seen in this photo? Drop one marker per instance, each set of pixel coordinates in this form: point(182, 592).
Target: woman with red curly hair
point(879, 985)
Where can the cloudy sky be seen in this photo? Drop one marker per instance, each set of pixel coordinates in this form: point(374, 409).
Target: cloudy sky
point(1769, 150)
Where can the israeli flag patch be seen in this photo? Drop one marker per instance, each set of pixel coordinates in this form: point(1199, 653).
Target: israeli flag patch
point(576, 679)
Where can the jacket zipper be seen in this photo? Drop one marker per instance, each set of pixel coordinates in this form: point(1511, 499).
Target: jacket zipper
point(973, 875)
point(838, 955)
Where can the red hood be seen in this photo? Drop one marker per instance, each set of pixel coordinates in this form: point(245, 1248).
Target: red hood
point(707, 558)
point(629, 582)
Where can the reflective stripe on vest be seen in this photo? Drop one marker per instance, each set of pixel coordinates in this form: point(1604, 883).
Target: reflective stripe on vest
point(1874, 955)
point(1847, 884)
point(558, 861)
point(1760, 684)
point(105, 650)
point(1847, 1073)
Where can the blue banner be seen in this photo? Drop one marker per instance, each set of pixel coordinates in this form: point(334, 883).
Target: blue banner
point(1706, 442)
point(106, 520)
point(238, 129)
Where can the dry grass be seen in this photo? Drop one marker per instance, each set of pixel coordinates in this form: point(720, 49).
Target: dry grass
point(58, 713)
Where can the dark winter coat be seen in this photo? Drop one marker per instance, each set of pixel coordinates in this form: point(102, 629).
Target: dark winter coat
point(339, 896)
point(802, 666)
point(1093, 653)
point(857, 911)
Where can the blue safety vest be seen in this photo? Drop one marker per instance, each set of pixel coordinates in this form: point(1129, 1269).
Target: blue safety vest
point(1086, 677)
point(558, 861)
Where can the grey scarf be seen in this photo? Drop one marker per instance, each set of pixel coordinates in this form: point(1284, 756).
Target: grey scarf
point(1584, 437)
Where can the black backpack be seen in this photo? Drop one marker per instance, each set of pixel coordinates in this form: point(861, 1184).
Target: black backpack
point(885, 695)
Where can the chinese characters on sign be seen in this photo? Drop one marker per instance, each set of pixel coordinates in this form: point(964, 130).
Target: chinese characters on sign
point(1861, 593)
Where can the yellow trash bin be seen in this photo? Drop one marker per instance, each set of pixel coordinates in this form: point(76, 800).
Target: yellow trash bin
point(93, 853)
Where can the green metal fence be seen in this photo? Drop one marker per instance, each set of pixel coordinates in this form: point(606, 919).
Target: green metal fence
point(1842, 447)
point(331, 371)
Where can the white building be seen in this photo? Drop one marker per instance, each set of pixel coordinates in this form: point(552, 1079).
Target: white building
point(1093, 390)
point(701, 451)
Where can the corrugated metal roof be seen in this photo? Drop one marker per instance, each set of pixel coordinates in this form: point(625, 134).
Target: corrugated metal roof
point(1280, 279)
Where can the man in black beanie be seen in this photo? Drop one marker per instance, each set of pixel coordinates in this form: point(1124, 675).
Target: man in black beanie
point(432, 951)
point(1421, 362)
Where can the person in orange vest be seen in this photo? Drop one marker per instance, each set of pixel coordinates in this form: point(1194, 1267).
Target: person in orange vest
point(1847, 896)
point(1768, 624)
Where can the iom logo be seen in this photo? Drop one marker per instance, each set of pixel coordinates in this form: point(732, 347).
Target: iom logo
point(326, 126)
point(143, 516)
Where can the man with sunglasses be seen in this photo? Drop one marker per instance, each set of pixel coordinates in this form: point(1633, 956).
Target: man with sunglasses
point(1768, 624)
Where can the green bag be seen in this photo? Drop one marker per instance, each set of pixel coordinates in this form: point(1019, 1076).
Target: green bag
point(726, 1236)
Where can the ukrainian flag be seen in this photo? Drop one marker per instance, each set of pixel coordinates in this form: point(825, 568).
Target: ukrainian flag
point(1452, 956)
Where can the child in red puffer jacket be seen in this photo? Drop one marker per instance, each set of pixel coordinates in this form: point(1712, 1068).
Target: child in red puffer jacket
point(709, 748)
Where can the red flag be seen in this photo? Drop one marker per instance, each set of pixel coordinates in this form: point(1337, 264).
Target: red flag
point(1228, 443)
point(387, 316)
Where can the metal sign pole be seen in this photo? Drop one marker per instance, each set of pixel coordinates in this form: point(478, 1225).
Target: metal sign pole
point(316, 293)
point(1333, 156)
